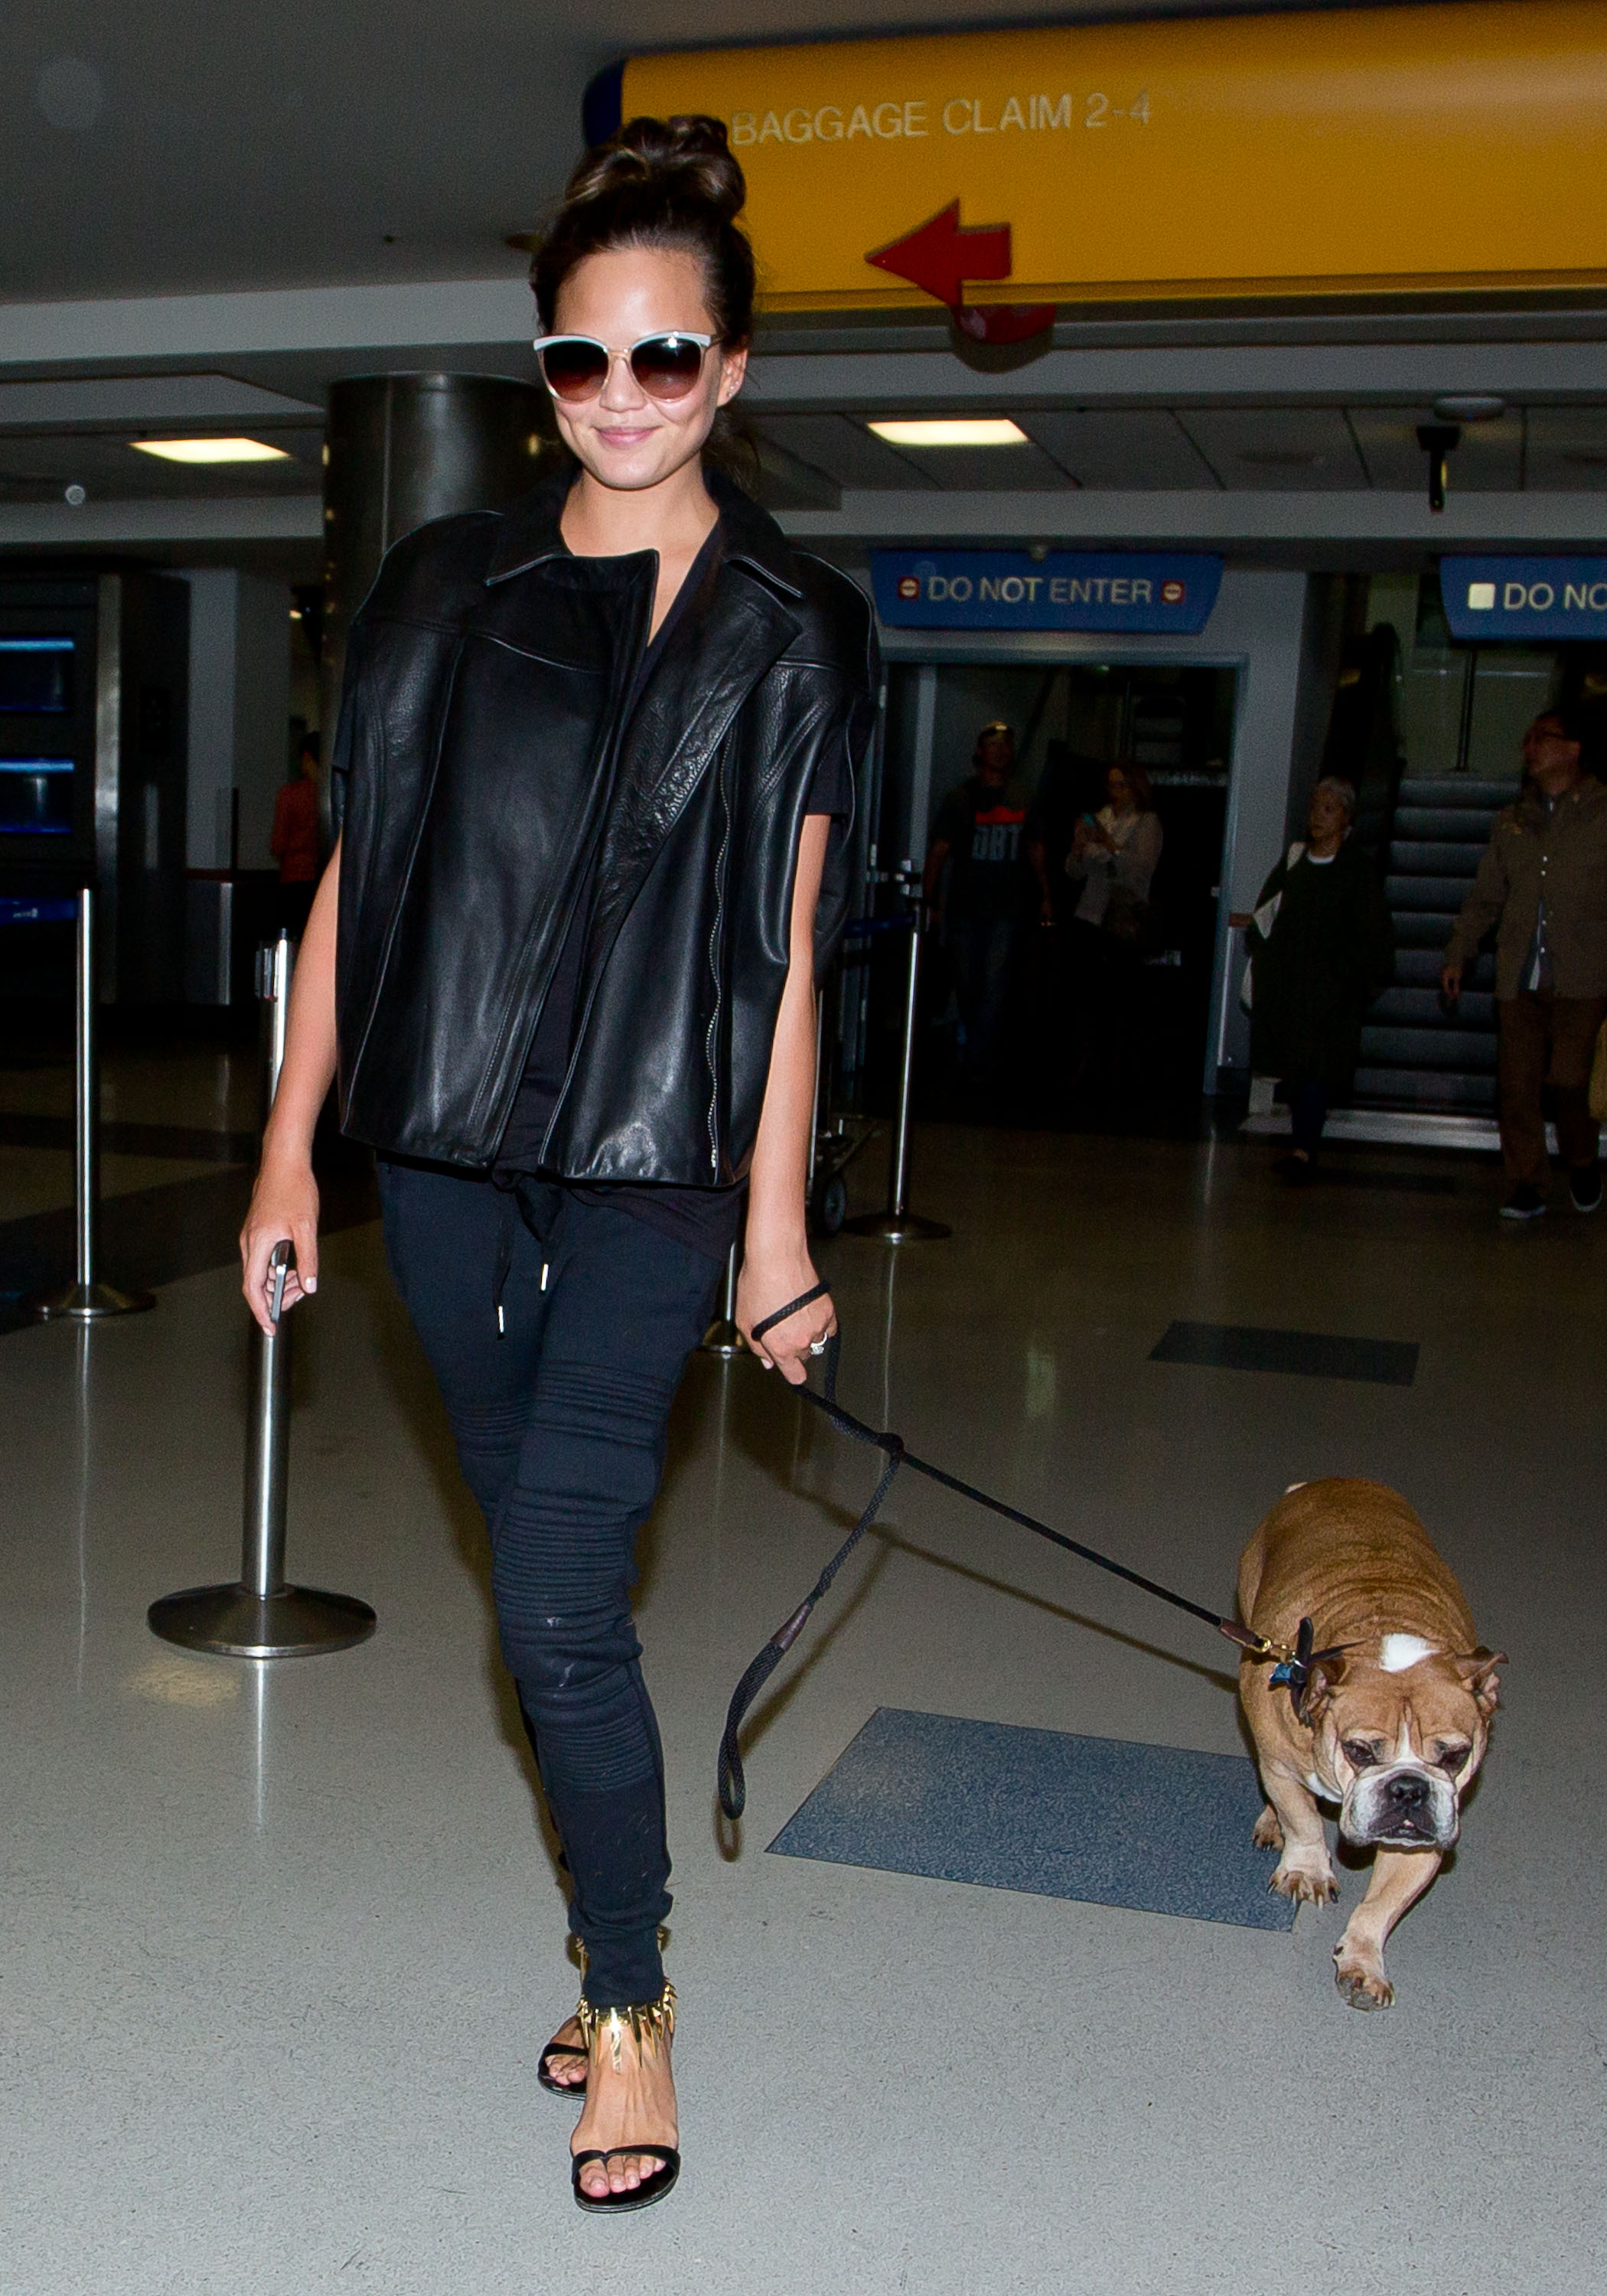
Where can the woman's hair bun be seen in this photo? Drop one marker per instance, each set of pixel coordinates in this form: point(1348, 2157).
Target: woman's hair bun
point(687, 158)
point(657, 182)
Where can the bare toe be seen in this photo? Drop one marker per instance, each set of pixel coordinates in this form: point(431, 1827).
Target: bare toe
point(562, 2069)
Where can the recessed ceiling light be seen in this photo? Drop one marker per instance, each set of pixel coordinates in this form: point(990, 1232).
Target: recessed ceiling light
point(964, 431)
point(209, 450)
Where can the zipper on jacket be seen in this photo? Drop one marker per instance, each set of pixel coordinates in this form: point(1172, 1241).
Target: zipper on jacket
point(710, 1046)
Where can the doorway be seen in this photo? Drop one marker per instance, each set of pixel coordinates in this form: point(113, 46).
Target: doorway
point(1087, 1013)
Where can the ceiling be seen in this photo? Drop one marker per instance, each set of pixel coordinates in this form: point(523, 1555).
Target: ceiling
point(160, 146)
point(1286, 449)
point(811, 459)
point(184, 180)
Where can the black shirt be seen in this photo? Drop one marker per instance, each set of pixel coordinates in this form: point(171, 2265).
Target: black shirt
point(982, 825)
point(706, 1219)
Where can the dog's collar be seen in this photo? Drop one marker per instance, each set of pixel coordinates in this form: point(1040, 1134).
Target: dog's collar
point(1293, 1670)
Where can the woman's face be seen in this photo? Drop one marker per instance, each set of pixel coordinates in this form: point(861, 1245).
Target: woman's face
point(624, 436)
point(1327, 819)
point(1118, 789)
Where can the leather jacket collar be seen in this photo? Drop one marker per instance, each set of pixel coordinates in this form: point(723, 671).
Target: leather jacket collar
point(530, 533)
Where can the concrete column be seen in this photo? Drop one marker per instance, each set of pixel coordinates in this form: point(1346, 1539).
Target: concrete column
point(400, 450)
point(240, 668)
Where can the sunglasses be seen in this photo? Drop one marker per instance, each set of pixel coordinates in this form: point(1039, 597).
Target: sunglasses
point(575, 367)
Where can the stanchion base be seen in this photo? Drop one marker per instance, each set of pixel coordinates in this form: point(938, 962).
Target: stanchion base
point(897, 1227)
point(723, 1339)
point(88, 1303)
point(297, 1622)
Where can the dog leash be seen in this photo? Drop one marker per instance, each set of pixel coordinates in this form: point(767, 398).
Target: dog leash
point(1293, 1669)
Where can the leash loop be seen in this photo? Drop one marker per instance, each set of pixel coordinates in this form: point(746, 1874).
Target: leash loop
point(804, 1299)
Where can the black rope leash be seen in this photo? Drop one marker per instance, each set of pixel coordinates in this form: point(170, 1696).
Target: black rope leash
point(733, 1784)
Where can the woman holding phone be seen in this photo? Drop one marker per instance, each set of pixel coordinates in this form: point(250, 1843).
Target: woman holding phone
point(595, 773)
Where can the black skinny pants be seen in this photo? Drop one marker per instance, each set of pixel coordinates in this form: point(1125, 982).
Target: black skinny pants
point(560, 1424)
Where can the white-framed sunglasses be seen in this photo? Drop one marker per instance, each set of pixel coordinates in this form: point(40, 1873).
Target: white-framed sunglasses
point(575, 367)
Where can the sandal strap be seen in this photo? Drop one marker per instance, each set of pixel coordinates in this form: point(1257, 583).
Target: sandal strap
point(667, 2154)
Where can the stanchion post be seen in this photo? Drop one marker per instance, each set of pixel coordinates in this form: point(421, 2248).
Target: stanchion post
point(897, 1223)
point(722, 1338)
point(260, 1615)
point(86, 1299)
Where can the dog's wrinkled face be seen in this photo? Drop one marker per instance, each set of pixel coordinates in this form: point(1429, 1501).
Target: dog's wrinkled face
point(1397, 1734)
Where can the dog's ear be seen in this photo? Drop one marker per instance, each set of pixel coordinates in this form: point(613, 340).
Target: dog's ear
point(1324, 1680)
point(1478, 1671)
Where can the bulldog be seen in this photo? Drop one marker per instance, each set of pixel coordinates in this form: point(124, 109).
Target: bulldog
point(1394, 1718)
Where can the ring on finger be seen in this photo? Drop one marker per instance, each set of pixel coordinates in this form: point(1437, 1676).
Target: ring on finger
point(818, 1347)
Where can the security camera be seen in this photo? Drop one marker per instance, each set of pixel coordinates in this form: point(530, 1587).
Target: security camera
point(1437, 440)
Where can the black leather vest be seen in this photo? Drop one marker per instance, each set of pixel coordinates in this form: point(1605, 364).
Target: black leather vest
point(481, 764)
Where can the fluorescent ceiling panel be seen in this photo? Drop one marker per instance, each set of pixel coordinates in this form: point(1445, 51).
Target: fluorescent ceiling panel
point(209, 450)
point(953, 431)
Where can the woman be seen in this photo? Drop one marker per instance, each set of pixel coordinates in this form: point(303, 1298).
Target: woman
point(1114, 853)
point(597, 756)
point(1322, 946)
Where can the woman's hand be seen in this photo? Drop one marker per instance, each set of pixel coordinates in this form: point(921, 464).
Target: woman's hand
point(767, 1282)
point(284, 1203)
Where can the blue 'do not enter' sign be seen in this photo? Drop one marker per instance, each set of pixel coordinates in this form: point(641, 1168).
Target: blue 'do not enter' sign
point(1524, 597)
point(1141, 592)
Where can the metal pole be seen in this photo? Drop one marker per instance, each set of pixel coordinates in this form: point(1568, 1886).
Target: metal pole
point(86, 1098)
point(722, 1338)
point(86, 1300)
point(267, 1435)
point(897, 1223)
point(898, 1175)
point(261, 1616)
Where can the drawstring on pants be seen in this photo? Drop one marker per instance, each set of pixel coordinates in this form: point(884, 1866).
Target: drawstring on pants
point(537, 1203)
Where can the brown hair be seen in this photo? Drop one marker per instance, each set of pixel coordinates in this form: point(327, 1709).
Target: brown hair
point(664, 183)
point(1136, 780)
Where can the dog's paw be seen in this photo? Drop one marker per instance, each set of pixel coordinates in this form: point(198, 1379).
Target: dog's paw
point(1306, 1881)
point(1362, 1984)
point(1268, 1834)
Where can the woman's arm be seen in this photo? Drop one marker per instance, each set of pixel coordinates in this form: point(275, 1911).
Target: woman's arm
point(284, 1202)
point(1135, 862)
point(777, 1266)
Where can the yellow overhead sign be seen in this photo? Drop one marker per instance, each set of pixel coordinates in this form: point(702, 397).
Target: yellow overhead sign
point(1400, 149)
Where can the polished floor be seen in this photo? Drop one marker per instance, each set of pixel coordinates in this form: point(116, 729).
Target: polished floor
point(283, 1943)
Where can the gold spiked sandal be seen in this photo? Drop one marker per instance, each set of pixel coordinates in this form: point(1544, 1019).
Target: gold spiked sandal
point(650, 2025)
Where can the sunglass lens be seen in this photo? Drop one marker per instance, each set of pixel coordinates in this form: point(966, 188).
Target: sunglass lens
point(667, 365)
point(574, 369)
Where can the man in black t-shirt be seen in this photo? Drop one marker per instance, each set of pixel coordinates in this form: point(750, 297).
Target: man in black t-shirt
point(979, 836)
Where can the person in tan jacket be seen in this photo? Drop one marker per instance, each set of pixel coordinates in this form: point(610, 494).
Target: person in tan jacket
point(1543, 884)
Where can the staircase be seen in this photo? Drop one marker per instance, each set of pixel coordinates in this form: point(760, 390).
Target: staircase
point(1415, 1056)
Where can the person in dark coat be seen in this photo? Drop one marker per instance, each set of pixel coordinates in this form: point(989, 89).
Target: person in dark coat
point(1321, 947)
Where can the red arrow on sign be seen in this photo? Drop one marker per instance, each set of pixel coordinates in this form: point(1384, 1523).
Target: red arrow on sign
point(941, 254)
